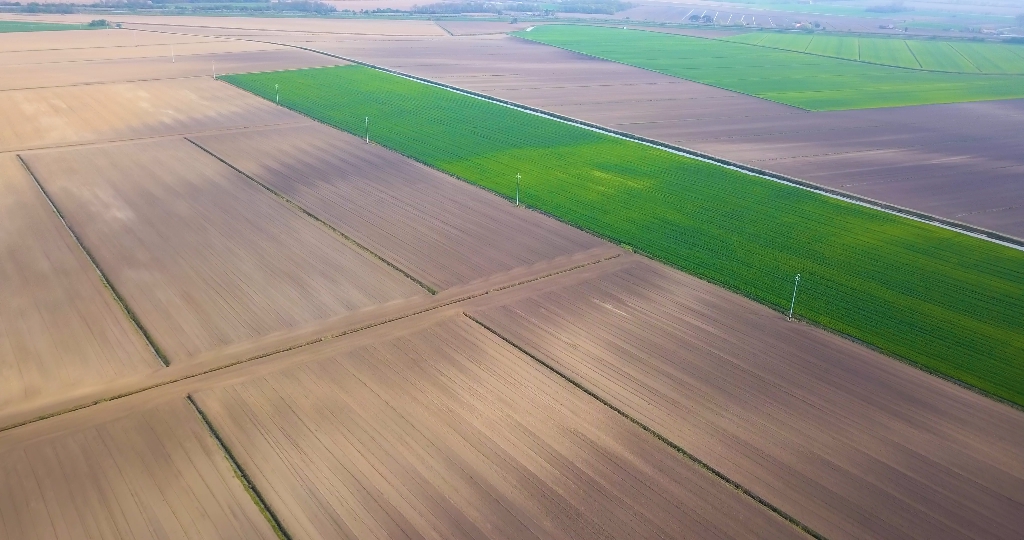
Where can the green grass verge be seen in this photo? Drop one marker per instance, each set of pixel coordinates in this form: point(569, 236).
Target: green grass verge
point(950, 302)
point(21, 26)
point(948, 56)
point(808, 81)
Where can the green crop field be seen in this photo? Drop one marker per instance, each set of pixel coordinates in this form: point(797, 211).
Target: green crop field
point(20, 26)
point(954, 57)
point(808, 81)
point(948, 301)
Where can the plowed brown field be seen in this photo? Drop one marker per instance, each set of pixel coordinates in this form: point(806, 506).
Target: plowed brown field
point(158, 68)
point(46, 58)
point(60, 116)
point(61, 331)
point(155, 474)
point(440, 230)
point(205, 256)
point(451, 433)
point(851, 443)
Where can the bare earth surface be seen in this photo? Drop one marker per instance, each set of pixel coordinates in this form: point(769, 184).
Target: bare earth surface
point(450, 432)
point(156, 473)
point(852, 443)
point(206, 257)
point(47, 59)
point(443, 231)
point(73, 115)
point(961, 161)
point(60, 330)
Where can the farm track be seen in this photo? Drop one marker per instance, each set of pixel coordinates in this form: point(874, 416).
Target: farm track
point(448, 432)
point(262, 348)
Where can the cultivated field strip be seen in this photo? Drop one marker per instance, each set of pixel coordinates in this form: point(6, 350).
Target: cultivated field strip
point(89, 39)
point(59, 59)
point(61, 331)
point(440, 230)
point(156, 68)
point(205, 257)
point(449, 432)
point(74, 115)
point(296, 25)
point(156, 473)
point(851, 443)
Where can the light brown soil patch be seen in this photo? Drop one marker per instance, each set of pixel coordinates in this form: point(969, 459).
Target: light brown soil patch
point(204, 256)
point(35, 76)
point(73, 40)
point(60, 116)
point(61, 331)
point(451, 433)
point(195, 46)
point(851, 443)
point(153, 474)
point(441, 230)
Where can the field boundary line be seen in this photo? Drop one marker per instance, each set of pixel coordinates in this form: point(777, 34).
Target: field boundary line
point(241, 475)
point(968, 60)
point(295, 206)
point(911, 51)
point(945, 223)
point(143, 138)
point(679, 449)
point(97, 83)
point(446, 31)
point(457, 299)
point(153, 347)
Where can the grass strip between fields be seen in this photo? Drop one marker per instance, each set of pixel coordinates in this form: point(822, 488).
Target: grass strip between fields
point(240, 474)
point(947, 301)
point(824, 80)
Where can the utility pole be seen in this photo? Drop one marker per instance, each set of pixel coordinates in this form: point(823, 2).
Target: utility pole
point(367, 130)
point(518, 178)
point(792, 302)
point(214, 67)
